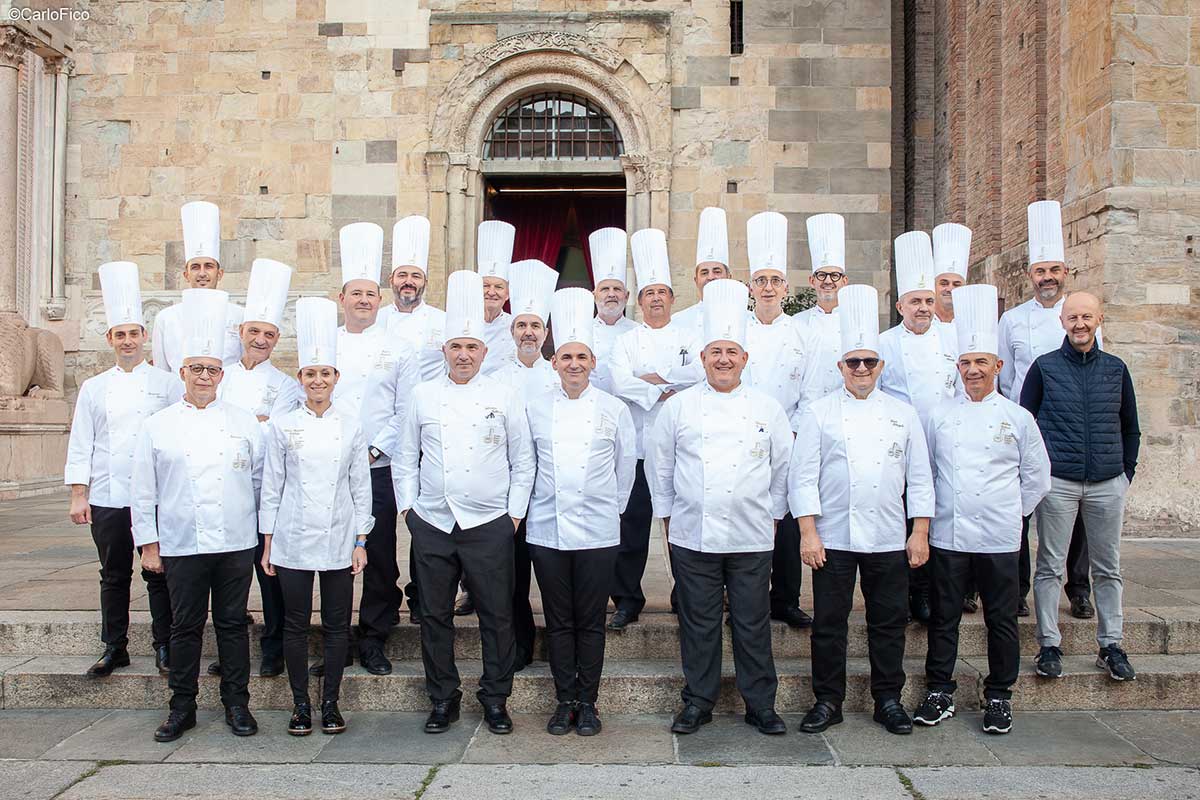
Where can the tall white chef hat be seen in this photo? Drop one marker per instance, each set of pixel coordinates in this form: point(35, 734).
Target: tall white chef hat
point(464, 306)
point(410, 243)
point(494, 251)
point(530, 288)
point(1045, 232)
point(571, 311)
point(914, 263)
point(951, 249)
point(766, 242)
point(122, 294)
point(650, 259)
point(725, 303)
point(267, 292)
point(975, 310)
point(858, 315)
point(608, 248)
point(201, 230)
point(204, 326)
point(361, 244)
point(827, 241)
point(712, 238)
point(316, 332)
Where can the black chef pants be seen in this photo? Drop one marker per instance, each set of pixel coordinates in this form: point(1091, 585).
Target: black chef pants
point(627, 592)
point(995, 574)
point(271, 640)
point(787, 570)
point(191, 580)
point(337, 595)
point(1079, 583)
point(574, 586)
point(524, 630)
point(381, 595)
point(885, 589)
point(700, 579)
point(483, 557)
point(113, 534)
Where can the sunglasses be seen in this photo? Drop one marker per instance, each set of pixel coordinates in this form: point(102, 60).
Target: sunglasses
point(200, 369)
point(856, 363)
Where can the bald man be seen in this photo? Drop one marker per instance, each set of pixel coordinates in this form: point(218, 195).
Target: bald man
point(1083, 401)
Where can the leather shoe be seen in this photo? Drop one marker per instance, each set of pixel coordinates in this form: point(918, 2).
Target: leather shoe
point(443, 713)
point(214, 668)
point(495, 715)
point(375, 662)
point(241, 721)
point(113, 658)
point(820, 717)
point(317, 670)
point(271, 667)
point(1023, 608)
point(918, 607)
point(1081, 607)
point(794, 617)
point(301, 721)
point(892, 716)
point(587, 721)
point(177, 722)
point(970, 603)
point(331, 718)
point(465, 605)
point(414, 613)
point(620, 619)
point(690, 719)
point(562, 720)
point(162, 659)
point(766, 721)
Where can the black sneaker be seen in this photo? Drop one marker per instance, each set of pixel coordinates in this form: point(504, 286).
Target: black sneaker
point(562, 720)
point(997, 717)
point(1049, 662)
point(1113, 659)
point(936, 707)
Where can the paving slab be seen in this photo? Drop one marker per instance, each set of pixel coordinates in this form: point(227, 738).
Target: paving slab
point(860, 740)
point(1059, 783)
point(1170, 736)
point(122, 736)
point(38, 780)
point(212, 742)
point(625, 739)
point(729, 741)
point(28, 732)
point(1058, 739)
point(397, 737)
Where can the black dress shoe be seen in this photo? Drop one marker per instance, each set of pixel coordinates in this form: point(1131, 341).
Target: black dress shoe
point(1081, 607)
point(970, 603)
point(820, 717)
point(375, 662)
point(562, 720)
point(690, 719)
point(317, 670)
point(414, 613)
point(465, 606)
point(301, 721)
point(495, 715)
point(891, 715)
point(587, 721)
point(766, 721)
point(918, 607)
point(620, 619)
point(241, 721)
point(177, 722)
point(1023, 608)
point(331, 718)
point(113, 658)
point(794, 617)
point(271, 667)
point(162, 659)
point(444, 712)
point(214, 668)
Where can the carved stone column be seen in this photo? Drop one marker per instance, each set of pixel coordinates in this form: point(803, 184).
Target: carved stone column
point(56, 305)
point(13, 44)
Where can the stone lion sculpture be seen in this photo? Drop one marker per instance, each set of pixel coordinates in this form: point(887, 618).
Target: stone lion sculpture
point(31, 360)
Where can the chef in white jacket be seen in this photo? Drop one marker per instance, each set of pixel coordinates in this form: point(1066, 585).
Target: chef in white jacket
point(315, 514)
point(827, 249)
point(586, 455)
point(648, 365)
point(195, 514)
point(408, 315)
point(718, 463)
point(493, 258)
point(109, 414)
point(201, 270)
point(989, 468)
point(951, 258)
point(856, 450)
point(609, 258)
point(712, 263)
point(462, 479)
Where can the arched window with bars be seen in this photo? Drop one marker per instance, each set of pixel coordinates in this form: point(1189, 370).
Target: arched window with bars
point(553, 126)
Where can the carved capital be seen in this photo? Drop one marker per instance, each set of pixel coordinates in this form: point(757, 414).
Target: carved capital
point(56, 65)
point(13, 44)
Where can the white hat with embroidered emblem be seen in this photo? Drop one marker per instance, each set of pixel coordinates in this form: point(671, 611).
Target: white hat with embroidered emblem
point(650, 260)
point(608, 248)
point(975, 313)
point(204, 323)
point(827, 241)
point(766, 242)
point(410, 243)
point(530, 288)
point(361, 245)
point(464, 306)
point(201, 230)
point(316, 332)
point(267, 292)
point(571, 311)
point(1045, 232)
point(914, 263)
point(712, 237)
point(725, 303)
point(493, 255)
point(951, 249)
point(122, 294)
point(858, 315)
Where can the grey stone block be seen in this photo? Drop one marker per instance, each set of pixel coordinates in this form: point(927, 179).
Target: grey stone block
point(256, 229)
point(857, 35)
point(625, 739)
point(855, 126)
point(768, 14)
point(792, 126)
point(801, 180)
point(1172, 736)
point(818, 13)
point(357, 207)
point(816, 98)
point(851, 72)
point(708, 71)
point(37, 780)
point(381, 151)
point(329, 29)
point(728, 741)
point(397, 738)
point(878, 226)
point(783, 36)
point(213, 743)
point(124, 735)
point(685, 97)
point(731, 154)
point(867, 14)
point(861, 740)
point(837, 154)
point(860, 181)
point(1059, 738)
point(28, 733)
point(789, 71)
point(402, 56)
point(1065, 783)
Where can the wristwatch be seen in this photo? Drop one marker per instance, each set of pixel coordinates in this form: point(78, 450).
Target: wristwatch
point(375, 452)
point(360, 543)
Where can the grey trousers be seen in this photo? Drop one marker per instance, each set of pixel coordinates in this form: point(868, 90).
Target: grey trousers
point(1102, 505)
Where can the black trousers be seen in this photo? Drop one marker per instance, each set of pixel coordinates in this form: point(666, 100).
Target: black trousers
point(995, 574)
point(787, 570)
point(113, 534)
point(483, 557)
point(337, 595)
point(885, 589)
point(191, 580)
point(575, 585)
point(381, 595)
point(700, 579)
point(271, 640)
point(1079, 581)
point(635, 546)
point(524, 630)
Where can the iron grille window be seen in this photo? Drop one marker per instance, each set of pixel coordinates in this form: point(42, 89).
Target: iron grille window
point(553, 126)
point(737, 44)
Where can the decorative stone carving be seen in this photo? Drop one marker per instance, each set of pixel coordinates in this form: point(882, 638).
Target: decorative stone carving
point(13, 44)
point(532, 42)
point(33, 362)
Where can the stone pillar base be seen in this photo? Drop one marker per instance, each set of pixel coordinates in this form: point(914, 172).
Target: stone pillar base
point(33, 445)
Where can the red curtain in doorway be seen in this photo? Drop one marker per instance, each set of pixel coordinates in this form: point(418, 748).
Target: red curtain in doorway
point(539, 222)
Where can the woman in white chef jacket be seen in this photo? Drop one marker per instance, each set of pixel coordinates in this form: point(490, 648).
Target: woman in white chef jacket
point(315, 515)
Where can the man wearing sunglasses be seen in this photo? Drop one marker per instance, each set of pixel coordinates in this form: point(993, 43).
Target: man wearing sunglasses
point(827, 247)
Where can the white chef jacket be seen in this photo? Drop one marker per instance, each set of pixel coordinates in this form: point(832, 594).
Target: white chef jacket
point(533, 382)
point(670, 351)
point(425, 327)
point(109, 414)
point(377, 376)
point(166, 340)
point(586, 460)
point(465, 455)
point(779, 355)
point(920, 369)
point(263, 391)
point(604, 338)
point(990, 468)
point(825, 335)
point(1026, 332)
point(717, 466)
point(497, 335)
point(316, 489)
point(196, 478)
point(850, 464)
point(691, 318)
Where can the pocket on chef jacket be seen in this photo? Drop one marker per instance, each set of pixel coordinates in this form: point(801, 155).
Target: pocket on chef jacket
point(494, 431)
point(241, 458)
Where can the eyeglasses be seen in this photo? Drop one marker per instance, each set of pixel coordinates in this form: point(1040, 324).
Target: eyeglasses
point(200, 369)
point(774, 281)
point(855, 363)
point(829, 277)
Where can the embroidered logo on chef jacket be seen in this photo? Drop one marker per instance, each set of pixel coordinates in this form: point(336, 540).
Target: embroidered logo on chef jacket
point(606, 426)
point(762, 441)
point(295, 438)
point(1005, 434)
point(241, 454)
point(495, 422)
point(269, 395)
point(896, 423)
point(385, 359)
point(896, 451)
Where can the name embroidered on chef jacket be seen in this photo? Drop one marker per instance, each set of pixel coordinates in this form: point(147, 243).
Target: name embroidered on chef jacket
point(295, 438)
point(1004, 435)
point(606, 426)
point(241, 454)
